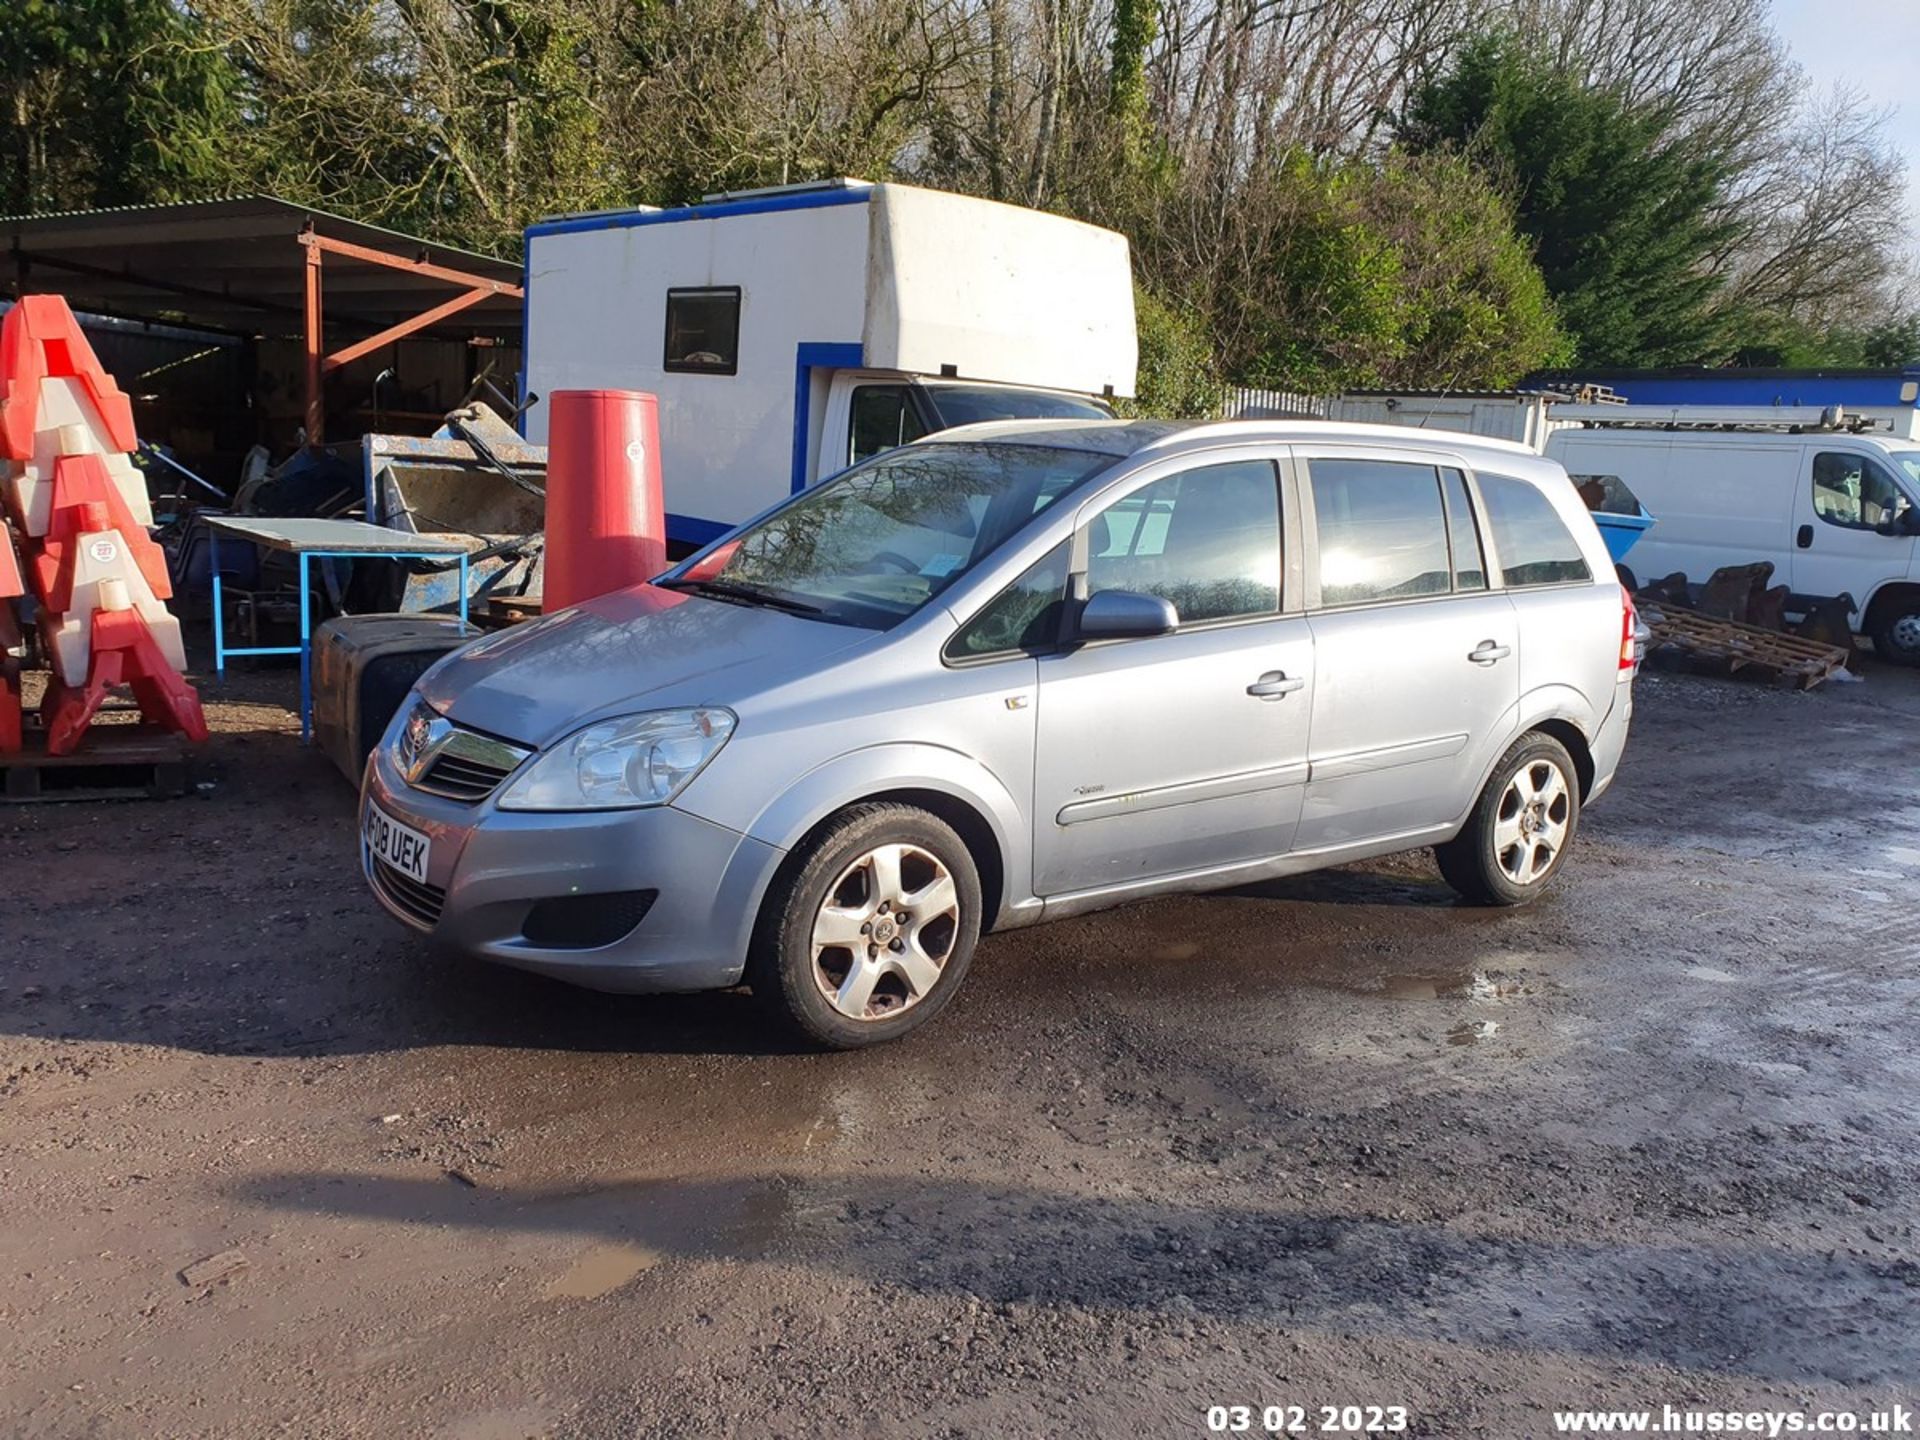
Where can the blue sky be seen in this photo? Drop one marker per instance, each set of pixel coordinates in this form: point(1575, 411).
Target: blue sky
point(1870, 45)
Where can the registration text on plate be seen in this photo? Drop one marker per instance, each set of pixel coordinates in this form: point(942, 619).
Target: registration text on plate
point(391, 843)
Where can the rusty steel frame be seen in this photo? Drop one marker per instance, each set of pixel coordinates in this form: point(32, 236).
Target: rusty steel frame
point(474, 289)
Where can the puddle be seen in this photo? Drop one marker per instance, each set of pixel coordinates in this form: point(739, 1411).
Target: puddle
point(600, 1271)
point(1477, 987)
point(1708, 972)
point(1902, 854)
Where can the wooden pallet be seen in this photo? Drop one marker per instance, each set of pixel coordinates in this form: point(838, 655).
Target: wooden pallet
point(1788, 658)
point(137, 765)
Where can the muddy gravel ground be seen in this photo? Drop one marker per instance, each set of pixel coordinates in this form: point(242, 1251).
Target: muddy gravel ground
point(1331, 1141)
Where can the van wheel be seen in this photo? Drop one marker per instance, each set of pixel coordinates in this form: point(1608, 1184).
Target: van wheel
point(868, 930)
point(1895, 628)
point(1521, 828)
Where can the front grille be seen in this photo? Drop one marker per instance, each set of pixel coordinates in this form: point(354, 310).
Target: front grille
point(419, 902)
point(435, 755)
point(460, 777)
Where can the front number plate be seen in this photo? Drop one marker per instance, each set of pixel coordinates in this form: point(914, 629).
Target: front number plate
point(391, 843)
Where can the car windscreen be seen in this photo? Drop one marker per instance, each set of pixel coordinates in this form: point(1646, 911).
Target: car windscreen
point(873, 545)
point(969, 404)
point(1909, 461)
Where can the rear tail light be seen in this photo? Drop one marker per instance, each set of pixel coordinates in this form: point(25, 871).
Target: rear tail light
point(1629, 622)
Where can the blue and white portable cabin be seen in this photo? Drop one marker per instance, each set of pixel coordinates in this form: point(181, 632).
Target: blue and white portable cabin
point(791, 332)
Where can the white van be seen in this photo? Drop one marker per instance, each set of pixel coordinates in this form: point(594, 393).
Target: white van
point(791, 333)
point(1832, 506)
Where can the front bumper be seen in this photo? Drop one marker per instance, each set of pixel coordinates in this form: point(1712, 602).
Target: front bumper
point(489, 868)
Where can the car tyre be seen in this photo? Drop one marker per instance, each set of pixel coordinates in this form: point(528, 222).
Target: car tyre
point(1521, 827)
point(833, 958)
point(1895, 629)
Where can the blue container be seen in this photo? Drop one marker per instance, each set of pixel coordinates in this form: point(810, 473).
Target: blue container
point(1621, 532)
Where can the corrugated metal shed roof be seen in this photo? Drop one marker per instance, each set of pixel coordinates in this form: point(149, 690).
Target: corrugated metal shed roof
point(235, 265)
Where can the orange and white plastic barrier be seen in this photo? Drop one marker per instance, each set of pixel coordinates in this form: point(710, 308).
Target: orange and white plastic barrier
point(79, 510)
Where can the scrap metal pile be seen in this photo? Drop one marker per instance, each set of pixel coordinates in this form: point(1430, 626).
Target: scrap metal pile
point(76, 560)
point(1737, 624)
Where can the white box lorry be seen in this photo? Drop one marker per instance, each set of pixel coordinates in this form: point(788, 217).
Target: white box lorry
point(1831, 503)
point(790, 333)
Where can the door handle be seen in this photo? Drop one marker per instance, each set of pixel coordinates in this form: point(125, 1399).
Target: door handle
point(1488, 653)
point(1804, 537)
point(1275, 684)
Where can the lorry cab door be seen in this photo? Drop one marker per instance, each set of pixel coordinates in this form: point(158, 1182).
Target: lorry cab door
point(1851, 517)
point(867, 411)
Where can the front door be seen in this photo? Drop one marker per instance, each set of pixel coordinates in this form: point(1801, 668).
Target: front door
point(1847, 498)
point(1182, 752)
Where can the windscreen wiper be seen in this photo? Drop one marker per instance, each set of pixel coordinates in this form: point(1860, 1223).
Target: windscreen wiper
point(746, 595)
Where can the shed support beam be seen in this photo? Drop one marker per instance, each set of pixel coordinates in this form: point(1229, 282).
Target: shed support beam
point(475, 288)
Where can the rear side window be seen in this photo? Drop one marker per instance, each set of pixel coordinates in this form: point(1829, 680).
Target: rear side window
point(1208, 540)
point(1383, 531)
point(1535, 546)
point(703, 330)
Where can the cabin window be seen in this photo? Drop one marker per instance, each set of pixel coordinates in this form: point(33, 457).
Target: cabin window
point(703, 331)
point(1853, 492)
point(882, 417)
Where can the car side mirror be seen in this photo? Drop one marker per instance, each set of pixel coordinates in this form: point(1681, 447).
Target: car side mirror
point(1126, 614)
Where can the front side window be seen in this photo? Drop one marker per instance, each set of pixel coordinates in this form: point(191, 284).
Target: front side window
point(703, 330)
point(1023, 618)
point(1383, 531)
point(1534, 544)
point(883, 418)
point(1855, 492)
point(1206, 540)
point(875, 544)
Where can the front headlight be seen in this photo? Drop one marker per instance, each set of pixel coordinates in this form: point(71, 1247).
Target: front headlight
point(621, 764)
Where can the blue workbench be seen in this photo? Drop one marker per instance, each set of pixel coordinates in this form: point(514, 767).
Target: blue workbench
point(307, 541)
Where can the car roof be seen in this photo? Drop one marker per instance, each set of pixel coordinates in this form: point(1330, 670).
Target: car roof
point(1130, 437)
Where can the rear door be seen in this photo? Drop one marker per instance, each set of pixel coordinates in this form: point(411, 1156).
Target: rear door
point(1416, 659)
point(1182, 752)
point(1848, 497)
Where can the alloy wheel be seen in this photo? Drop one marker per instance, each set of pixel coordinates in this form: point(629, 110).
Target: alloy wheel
point(884, 932)
point(1530, 827)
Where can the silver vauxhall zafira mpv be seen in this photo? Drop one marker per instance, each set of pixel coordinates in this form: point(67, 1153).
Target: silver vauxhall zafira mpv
point(1010, 673)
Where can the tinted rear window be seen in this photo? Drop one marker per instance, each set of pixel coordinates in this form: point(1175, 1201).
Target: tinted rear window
point(1535, 546)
